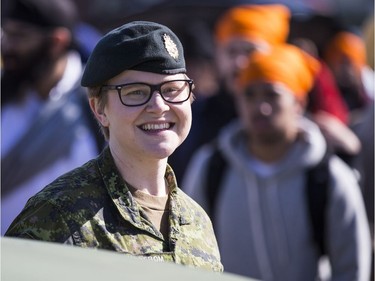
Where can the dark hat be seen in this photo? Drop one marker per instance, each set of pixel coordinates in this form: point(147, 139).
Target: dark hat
point(44, 13)
point(139, 45)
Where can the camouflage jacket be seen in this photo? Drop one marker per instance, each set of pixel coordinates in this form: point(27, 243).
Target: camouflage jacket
point(92, 207)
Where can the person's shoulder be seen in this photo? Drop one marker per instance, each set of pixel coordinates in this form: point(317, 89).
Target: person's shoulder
point(205, 151)
point(63, 200)
point(344, 180)
point(64, 189)
point(341, 170)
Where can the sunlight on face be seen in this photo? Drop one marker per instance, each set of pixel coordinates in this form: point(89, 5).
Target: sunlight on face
point(154, 129)
point(269, 111)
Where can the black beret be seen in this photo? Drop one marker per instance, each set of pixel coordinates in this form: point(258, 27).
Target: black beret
point(139, 45)
point(44, 13)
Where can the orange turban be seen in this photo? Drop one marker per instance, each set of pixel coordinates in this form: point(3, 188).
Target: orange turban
point(346, 44)
point(269, 23)
point(286, 64)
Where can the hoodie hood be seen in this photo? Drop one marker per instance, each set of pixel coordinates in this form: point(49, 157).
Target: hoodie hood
point(308, 151)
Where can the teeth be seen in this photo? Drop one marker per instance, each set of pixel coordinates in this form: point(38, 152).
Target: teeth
point(149, 127)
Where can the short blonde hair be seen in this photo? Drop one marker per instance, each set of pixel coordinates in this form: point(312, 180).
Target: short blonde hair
point(102, 99)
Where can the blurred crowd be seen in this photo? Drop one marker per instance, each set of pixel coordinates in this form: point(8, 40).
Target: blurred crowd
point(260, 213)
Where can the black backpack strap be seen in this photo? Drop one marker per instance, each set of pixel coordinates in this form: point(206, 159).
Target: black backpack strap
point(215, 173)
point(317, 179)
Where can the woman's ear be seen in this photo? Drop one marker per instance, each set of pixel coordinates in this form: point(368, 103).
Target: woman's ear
point(98, 112)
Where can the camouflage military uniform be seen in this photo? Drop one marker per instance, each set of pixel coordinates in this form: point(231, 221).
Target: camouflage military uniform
point(92, 207)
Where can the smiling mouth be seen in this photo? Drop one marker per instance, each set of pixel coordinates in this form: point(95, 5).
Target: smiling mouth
point(156, 127)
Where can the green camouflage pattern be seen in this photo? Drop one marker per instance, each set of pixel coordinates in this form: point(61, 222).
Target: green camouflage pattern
point(92, 207)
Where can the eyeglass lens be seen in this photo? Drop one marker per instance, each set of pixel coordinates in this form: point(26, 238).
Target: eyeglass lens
point(175, 91)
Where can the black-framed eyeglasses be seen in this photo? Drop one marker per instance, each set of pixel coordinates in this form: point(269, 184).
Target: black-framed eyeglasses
point(136, 94)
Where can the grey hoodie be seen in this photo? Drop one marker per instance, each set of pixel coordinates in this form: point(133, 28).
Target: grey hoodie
point(261, 219)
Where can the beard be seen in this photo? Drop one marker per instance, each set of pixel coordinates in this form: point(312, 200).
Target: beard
point(263, 130)
point(21, 71)
point(268, 138)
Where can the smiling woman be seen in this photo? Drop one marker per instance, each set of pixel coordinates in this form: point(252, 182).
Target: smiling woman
point(129, 127)
point(127, 199)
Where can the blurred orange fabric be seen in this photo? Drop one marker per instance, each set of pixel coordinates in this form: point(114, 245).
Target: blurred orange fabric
point(269, 23)
point(349, 45)
point(286, 64)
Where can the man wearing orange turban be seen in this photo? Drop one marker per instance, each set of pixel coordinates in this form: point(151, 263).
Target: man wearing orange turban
point(273, 88)
point(346, 45)
point(284, 64)
point(296, 70)
point(238, 31)
point(260, 210)
point(345, 54)
point(243, 29)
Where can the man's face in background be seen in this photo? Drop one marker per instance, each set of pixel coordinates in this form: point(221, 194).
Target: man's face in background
point(25, 53)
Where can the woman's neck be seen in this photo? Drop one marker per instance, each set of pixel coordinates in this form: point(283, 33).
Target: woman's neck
point(146, 175)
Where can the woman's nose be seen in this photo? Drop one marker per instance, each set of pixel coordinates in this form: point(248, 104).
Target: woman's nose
point(157, 103)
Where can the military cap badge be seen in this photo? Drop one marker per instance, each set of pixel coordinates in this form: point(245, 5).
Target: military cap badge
point(170, 46)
